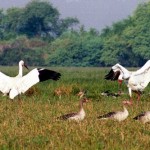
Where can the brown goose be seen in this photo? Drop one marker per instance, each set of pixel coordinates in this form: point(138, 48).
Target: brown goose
point(76, 116)
point(143, 117)
point(116, 115)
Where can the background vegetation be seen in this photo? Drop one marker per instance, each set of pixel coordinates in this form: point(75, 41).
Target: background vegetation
point(37, 34)
point(32, 123)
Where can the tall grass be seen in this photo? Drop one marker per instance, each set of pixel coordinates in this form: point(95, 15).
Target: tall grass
point(32, 124)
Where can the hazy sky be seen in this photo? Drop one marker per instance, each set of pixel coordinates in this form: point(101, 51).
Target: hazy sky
point(91, 13)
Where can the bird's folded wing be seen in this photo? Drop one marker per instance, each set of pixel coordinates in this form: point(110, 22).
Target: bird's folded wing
point(139, 116)
point(108, 115)
point(66, 116)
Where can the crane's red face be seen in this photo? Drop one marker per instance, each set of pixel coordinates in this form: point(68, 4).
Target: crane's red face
point(119, 81)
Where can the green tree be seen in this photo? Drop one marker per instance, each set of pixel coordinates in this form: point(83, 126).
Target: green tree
point(36, 19)
point(76, 49)
point(1, 24)
point(127, 41)
point(41, 19)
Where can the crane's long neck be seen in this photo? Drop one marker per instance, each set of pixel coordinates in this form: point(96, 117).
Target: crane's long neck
point(125, 72)
point(20, 74)
point(122, 68)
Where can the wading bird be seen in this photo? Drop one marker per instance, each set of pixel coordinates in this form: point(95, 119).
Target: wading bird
point(5, 85)
point(136, 81)
point(143, 117)
point(21, 65)
point(119, 73)
point(139, 80)
point(20, 84)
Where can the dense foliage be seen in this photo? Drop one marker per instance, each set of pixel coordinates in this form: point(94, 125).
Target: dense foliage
point(76, 49)
point(37, 19)
point(125, 42)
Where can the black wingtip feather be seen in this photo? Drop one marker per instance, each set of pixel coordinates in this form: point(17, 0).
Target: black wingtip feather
point(112, 75)
point(109, 75)
point(45, 74)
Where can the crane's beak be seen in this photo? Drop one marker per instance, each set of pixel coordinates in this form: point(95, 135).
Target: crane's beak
point(26, 66)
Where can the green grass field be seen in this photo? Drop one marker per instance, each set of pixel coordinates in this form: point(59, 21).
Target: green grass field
point(32, 124)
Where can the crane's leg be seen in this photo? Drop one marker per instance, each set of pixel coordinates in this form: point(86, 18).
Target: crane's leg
point(138, 95)
point(19, 99)
point(119, 87)
point(129, 102)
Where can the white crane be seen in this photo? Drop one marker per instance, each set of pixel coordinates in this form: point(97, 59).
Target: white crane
point(4, 86)
point(116, 115)
point(136, 81)
point(139, 80)
point(119, 73)
point(21, 65)
point(20, 84)
point(143, 117)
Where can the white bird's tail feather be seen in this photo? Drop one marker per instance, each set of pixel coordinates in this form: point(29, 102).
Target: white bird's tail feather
point(13, 93)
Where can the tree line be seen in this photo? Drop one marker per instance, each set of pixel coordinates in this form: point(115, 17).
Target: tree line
point(37, 34)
